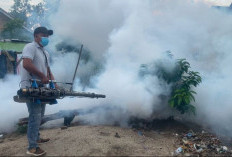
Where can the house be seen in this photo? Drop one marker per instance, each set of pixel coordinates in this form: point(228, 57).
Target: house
point(6, 17)
point(10, 48)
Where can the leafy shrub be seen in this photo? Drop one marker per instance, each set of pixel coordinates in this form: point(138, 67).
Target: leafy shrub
point(182, 81)
point(182, 94)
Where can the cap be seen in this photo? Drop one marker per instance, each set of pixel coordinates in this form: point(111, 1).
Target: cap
point(43, 30)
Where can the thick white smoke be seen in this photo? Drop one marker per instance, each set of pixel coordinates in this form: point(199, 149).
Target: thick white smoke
point(125, 34)
point(130, 33)
point(10, 111)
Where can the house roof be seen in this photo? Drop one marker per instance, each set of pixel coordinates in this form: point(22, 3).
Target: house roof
point(6, 14)
point(11, 18)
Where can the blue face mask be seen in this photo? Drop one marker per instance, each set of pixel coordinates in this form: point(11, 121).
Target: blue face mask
point(44, 41)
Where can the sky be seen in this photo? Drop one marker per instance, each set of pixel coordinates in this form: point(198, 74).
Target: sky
point(6, 4)
point(219, 2)
point(222, 2)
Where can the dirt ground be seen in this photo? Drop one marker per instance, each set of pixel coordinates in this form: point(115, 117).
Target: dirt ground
point(156, 138)
point(95, 141)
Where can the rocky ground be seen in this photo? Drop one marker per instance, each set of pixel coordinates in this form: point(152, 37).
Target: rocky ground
point(143, 139)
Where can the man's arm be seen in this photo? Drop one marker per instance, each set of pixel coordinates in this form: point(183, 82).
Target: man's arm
point(29, 66)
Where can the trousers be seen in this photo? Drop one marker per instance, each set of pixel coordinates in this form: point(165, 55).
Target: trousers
point(36, 113)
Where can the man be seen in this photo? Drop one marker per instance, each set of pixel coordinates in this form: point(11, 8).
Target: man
point(36, 66)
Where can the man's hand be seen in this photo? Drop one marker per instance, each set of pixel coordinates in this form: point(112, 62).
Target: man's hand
point(44, 80)
point(52, 77)
point(56, 86)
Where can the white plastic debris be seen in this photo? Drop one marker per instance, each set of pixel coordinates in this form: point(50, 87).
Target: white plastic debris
point(198, 148)
point(1, 135)
point(179, 150)
point(224, 148)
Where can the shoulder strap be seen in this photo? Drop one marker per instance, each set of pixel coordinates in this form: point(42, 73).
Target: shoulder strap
point(46, 60)
point(19, 61)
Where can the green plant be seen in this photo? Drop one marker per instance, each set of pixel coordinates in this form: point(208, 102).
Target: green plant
point(182, 94)
point(179, 77)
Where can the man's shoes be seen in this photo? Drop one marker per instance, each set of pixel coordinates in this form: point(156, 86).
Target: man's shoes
point(36, 151)
point(43, 140)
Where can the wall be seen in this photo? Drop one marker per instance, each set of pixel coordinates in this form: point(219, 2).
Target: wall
point(3, 20)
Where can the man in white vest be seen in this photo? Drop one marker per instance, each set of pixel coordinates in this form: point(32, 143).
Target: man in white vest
point(36, 66)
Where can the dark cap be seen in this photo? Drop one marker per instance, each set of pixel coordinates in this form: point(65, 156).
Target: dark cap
point(43, 30)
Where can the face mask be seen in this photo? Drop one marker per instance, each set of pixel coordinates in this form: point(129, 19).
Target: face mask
point(44, 41)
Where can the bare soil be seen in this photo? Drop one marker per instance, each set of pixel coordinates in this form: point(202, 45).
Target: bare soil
point(95, 141)
point(157, 138)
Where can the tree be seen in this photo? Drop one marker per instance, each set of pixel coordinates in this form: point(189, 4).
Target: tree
point(21, 9)
point(30, 14)
point(37, 15)
point(34, 15)
point(14, 30)
point(25, 15)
